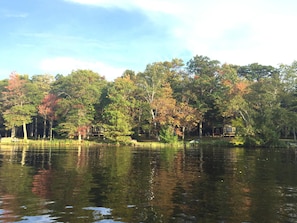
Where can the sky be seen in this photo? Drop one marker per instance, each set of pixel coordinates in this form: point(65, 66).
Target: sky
point(111, 36)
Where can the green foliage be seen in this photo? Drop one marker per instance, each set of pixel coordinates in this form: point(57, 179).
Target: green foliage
point(260, 101)
point(79, 92)
point(256, 71)
point(18, 103)
point(167, 135)
point(252, 141)
point(264, 106)
point(205, 88)
point(116, 125)
point(67, 129)
point(119, 112)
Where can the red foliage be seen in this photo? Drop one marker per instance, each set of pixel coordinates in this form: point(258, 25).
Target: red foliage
point(48, 105)
point(14, 90)
point(82, 130)
point(14, 82)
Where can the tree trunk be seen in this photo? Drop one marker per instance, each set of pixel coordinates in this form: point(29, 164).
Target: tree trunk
point(138, 124)
point(32, 130)
point(183, 133)
point(79, 137)
point(44, 128)
point(25, 131)
point(13, 132)
point(200, 129)
point(35, 130)
point(51, 129)
point(154, 124)
point(294, 132)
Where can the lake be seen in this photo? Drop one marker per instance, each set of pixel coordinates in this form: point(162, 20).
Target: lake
point(123, 184)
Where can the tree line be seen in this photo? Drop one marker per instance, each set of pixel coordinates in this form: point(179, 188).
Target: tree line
point(168, 101)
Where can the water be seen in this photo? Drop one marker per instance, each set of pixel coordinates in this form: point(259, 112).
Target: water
point(147, 185)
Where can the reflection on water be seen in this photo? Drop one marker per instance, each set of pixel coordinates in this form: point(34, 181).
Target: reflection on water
point(147, 185)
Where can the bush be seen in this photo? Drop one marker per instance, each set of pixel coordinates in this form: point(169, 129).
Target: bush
point(252, 142)
point(167, 135)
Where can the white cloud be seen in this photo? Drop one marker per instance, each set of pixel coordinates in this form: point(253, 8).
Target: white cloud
point(231, 31)
point(164, 6)
point(65, 65)
point(239, 32)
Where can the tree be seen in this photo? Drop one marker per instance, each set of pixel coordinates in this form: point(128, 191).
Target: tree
point(265, 111)
point(164, 108)
point(19, 107)
point(120, 112)
point(288, 99)
point(117, 126)
point(178, 80)
point(3, 85)
point(47, 109)
point(150, 84)
point(129, 74)
point(232, 104)
point(255, 71)
point(78, 93)
point(187, 118)
point(204, 86)
point(40, 85)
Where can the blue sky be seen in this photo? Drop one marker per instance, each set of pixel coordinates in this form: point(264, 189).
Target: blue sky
point(110, 36)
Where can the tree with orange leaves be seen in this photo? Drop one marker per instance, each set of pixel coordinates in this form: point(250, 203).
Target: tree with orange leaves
point(187, 118)
point(47, 109)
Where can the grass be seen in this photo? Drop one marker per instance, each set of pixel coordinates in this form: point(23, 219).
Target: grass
point(40, 142)
point(204, 141)
point(153, 144)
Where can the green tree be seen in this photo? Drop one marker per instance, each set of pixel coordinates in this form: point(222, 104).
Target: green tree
point(266, 113)
point(3, 85)
point(178, 80)
point(78, 92)
point(205, 87)
point(40, 85)
point(116, 125)
point(167, 134)
point(289, 97)
point(120, 113)
point(255, 71)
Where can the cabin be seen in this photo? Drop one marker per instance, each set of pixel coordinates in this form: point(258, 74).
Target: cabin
point(229, 130)
point(96, 131)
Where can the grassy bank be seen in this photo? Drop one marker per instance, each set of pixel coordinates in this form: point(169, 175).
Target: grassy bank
point(133, 143)
point(205, 141)
point(56, 142)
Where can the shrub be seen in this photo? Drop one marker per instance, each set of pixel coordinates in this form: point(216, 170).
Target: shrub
point(167, 135)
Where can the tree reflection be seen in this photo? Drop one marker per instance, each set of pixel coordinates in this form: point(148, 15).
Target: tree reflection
point(147, 185)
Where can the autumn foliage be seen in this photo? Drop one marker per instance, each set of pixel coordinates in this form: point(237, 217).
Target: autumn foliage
point(167, 99)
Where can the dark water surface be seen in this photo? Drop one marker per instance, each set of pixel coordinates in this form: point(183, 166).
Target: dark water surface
point(147, 185)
